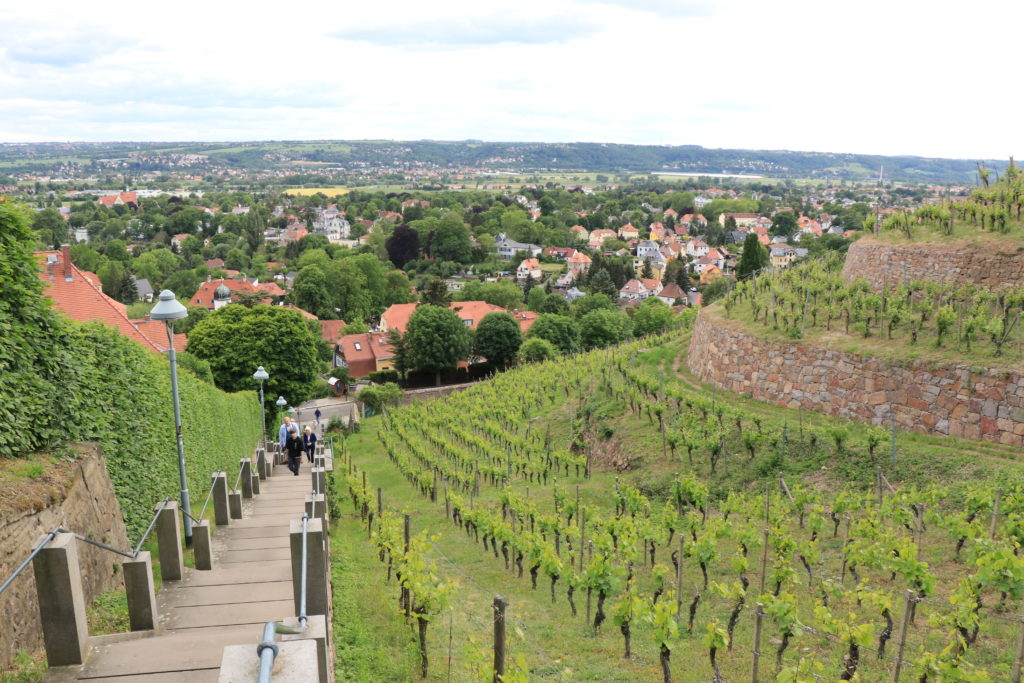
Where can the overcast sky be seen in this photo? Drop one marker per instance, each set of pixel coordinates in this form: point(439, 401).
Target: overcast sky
point(933, 78)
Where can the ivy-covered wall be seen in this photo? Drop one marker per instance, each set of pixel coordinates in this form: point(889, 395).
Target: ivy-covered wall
point(124, 396)
point(62, 381)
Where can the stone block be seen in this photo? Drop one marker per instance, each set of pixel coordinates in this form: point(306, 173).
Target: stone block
point(316, 566)
point(201, 550)
point(221, 512)
point(61, 601)
point(138, 586)
point(168, 540)
point(246, 478)
point(235, 504)
point(296, 663)
point(316, 630)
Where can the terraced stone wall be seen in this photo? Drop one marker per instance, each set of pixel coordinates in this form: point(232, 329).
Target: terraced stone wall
point(956, 400)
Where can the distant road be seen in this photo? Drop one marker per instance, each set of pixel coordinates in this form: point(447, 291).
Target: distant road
point(708, 175)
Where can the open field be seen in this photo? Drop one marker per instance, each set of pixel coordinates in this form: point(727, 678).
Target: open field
point(329, 191)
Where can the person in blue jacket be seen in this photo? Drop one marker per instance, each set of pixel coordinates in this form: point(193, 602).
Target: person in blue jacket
point(309, 441)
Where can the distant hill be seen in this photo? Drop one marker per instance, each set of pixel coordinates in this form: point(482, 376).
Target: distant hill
point(524, 156)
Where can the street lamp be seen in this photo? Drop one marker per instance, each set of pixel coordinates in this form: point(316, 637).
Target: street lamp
point(281, 403)
point(169, 309)
point(261, 376)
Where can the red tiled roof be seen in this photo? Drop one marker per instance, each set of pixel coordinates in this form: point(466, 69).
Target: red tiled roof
point(331, 330)
point(672, 291)
point(77, 294)
point(204, 296)
point(271, 288)
point(305, 314)
point(362, 351)
point(397, 316)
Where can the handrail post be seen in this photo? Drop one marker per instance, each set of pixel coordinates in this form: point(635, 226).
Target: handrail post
point(202, 551)
point(261, 463)
point(62, 601)
point(221, 512)
point(246, 477)
point(168, 540)
point(138, 587)
point(315, 566)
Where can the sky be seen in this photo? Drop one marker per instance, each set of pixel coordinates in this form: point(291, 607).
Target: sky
point(931, 78)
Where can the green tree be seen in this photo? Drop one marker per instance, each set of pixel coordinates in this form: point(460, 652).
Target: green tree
point(184, 284)
point(236, 260)
point(128, 293)
point(498, 338)
point(435, 340)
point(554, 303)
point(51, 227)
point(398, 289)
point(111, 276)
point(85, 257)
point(505, 293)
point(560, 330)
point(676, 271)
point(603, 328)
point(535, 299)
point(309, 292)
point(436, 293)
point(754, 257)
point(592, 302)
point(784, 224)
point(235, 339)
point(536, 349)
point(652, 317)
point(601, 283)
point(451, 241)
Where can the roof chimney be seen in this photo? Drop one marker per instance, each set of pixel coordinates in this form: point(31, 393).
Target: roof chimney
point(65, 252)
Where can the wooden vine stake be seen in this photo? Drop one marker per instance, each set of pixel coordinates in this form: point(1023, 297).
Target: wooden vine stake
point(995, 513)
point(406, 600)
point(499, 638)
point(758, 614)
point(902, 643)
point(1018, 659)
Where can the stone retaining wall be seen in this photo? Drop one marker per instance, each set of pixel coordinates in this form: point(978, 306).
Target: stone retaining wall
point(990, 264)
point(89, 508)
point(954, 400)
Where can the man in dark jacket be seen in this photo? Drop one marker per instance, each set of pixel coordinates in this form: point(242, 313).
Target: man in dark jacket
point(294, 447)
point(309, 441)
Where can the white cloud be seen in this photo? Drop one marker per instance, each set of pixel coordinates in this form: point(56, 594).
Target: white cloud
point(892, 78)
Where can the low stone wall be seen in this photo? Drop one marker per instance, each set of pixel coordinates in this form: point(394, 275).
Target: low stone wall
point(982, 262)
point(954, 400)
point(88, 508)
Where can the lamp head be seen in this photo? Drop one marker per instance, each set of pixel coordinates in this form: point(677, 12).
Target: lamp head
point(281, 403)
point(168, 308)
point(260, 375)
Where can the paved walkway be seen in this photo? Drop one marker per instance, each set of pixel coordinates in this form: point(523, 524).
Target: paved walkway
point(250, 584)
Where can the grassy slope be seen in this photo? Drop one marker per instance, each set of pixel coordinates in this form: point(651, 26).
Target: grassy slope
point(553, 643)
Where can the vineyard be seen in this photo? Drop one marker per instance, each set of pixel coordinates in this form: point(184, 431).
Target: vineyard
point(994, 208)
point(642, 528)
point(915, 318)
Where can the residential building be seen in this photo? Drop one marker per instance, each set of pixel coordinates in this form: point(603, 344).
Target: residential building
point(529, 268)
point(362, 354)
point(507, 247)
point(396, 317)
point(214, 294)
point(743, 220)
point(671, 292)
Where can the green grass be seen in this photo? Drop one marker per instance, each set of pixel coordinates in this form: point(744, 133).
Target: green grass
point(28, 667)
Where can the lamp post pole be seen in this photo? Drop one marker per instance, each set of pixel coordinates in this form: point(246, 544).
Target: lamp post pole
point(169, 310)
point(260, 375)
point(186, 505)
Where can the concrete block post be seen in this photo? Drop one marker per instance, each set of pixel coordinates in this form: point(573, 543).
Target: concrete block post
point(320, 461)
point(321, 506)
point(235, 504)
point(261, 463)
point(246, 465)
point(316, 630)
point(296, 663)
point(221, 512)
point(138, 586)
point(201, 545)
point(316, 566)
point(255, 484)
point(168, 540)
point(319, 480)
point(61, 601)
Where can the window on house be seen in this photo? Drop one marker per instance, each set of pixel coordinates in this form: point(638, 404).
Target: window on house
point(359, 346)
point(469, 323)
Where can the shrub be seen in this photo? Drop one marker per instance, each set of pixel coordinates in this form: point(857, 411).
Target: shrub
point(383, 376)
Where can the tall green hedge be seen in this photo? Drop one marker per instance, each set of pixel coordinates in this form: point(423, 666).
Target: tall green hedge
point(63, 381)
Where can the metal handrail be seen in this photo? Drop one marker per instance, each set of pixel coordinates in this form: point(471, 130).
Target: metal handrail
point(209, 495)
point(57, 530)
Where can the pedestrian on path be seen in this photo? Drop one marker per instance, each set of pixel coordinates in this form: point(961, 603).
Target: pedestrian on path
point(294, 447)
point(282, 433)
point(309, 441)
point(317, 413)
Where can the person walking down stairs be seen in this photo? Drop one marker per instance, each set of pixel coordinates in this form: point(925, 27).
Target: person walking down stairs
point(294, 447)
